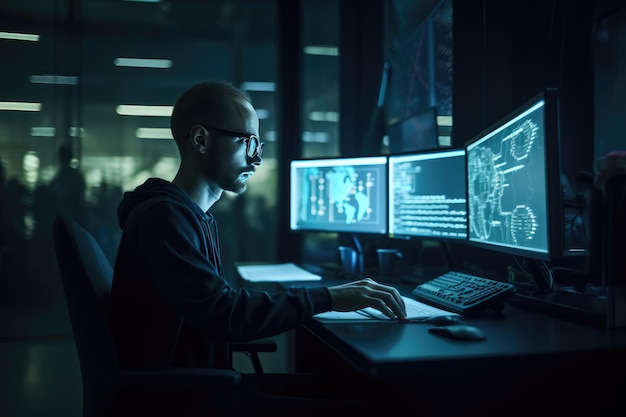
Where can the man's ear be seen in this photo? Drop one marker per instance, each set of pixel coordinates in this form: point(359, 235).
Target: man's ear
point(199, 137)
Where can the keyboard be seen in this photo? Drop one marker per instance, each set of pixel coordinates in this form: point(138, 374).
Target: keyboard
point(464, 293)
point(415, 310)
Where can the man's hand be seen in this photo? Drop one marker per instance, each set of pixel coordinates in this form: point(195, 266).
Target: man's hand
point(368, 293)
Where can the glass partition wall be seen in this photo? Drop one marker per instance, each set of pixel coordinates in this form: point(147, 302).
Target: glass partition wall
point(85, 97)
point(320, 104)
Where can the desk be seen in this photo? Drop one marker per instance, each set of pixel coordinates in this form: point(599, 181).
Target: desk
point(397, 349)
point(528, 358)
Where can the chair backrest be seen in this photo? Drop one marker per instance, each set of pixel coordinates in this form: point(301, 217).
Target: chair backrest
point(86, 274)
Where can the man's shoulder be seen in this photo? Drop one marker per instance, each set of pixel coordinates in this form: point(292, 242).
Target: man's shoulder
point(161, 204)
point(162, 210)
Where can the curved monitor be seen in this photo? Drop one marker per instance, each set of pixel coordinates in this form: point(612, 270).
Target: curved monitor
point(343, 195)
point(427, 195)
point(514, 189)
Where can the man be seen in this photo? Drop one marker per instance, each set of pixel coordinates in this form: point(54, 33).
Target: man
point(169, 303)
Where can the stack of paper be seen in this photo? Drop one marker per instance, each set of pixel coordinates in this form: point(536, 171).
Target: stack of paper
point(276, 273)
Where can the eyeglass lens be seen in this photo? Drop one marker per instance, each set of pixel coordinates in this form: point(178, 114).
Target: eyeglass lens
point(255, 147)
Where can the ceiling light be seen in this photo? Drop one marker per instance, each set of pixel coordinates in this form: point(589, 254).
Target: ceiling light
point(19, 106)
point(445, 141)
point(315, 137)
point(320, 116)
point(47, 131)
point(135, 110)
point(76, 131)
point(269, 136)
point(154, 133)
point(321, 50)
point(444, 120)
point(19, 36)
point(143, 63)
point(262, 113)
point(54, 79)
point(258, 86)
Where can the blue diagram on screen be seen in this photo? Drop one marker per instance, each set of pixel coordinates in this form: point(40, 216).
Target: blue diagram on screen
point(507, 184)
point(338, 196)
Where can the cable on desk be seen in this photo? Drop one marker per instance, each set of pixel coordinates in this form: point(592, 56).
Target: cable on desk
point(540, 267)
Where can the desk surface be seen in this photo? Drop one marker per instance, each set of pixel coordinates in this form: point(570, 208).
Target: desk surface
point(391, 348)
point(529, 359)
point(380, 348)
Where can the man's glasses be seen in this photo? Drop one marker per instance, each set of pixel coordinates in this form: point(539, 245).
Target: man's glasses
point(254, 146)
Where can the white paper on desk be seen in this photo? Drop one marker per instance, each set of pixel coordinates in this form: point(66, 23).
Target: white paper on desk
point(415, 310)
point(276, 273)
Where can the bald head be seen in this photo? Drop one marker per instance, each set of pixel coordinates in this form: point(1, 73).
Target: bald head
point(205, 103)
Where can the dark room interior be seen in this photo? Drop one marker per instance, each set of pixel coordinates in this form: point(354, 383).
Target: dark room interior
point(328, 79)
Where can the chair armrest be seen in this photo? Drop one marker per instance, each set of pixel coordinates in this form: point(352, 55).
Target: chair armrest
point(252, 349)
point(176, 378)
point(261, 345)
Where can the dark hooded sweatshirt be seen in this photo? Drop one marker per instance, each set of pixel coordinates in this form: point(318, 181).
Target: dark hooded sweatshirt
point(170, 305)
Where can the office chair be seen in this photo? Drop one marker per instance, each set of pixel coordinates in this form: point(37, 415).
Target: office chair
point(86, 275)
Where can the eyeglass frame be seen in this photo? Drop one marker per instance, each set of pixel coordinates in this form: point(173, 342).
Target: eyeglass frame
point(247, 138)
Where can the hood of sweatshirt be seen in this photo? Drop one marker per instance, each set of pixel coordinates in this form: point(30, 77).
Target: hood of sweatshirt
point(155, 188)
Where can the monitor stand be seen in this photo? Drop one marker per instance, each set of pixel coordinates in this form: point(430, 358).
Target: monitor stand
point(359, 253)
point(425, 271)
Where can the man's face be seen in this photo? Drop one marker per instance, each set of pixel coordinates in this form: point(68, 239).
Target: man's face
point(229, 164)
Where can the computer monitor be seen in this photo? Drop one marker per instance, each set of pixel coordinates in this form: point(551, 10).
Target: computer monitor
point(416, 132)
point(427, 195)
point(514, 191)
point(341, 194)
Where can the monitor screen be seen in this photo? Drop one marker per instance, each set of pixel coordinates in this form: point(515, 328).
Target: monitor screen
point(339, 195)
point(417, 132)
point(427, 197)
point(513, 182)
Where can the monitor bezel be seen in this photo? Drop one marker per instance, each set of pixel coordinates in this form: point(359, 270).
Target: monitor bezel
point(409, 236)
point(369, 160)
point(554, 197)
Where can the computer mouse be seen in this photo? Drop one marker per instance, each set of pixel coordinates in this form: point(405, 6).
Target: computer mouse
point(459, 331)
point(441, 320)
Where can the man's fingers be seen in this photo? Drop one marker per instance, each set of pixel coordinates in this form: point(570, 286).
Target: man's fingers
point(392, 300)
point(384, 298)
point(383, 307)
point(392, 291)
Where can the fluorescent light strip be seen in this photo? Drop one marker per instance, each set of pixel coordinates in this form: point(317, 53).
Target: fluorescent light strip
point(19, 106)
point(320, 116)
point(258, 86)
point(19, 36)
point(269, 136)
point(444, 120)
point(54, 79)
point(154, 133)
point(262, 114)
point(445, 141)
point(315, 137)
point(321, 50)
point(136, 110)
point(143, 63)
point(49, 131)
point(76, 131)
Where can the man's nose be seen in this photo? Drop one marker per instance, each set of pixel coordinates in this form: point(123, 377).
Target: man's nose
point(257, 160)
